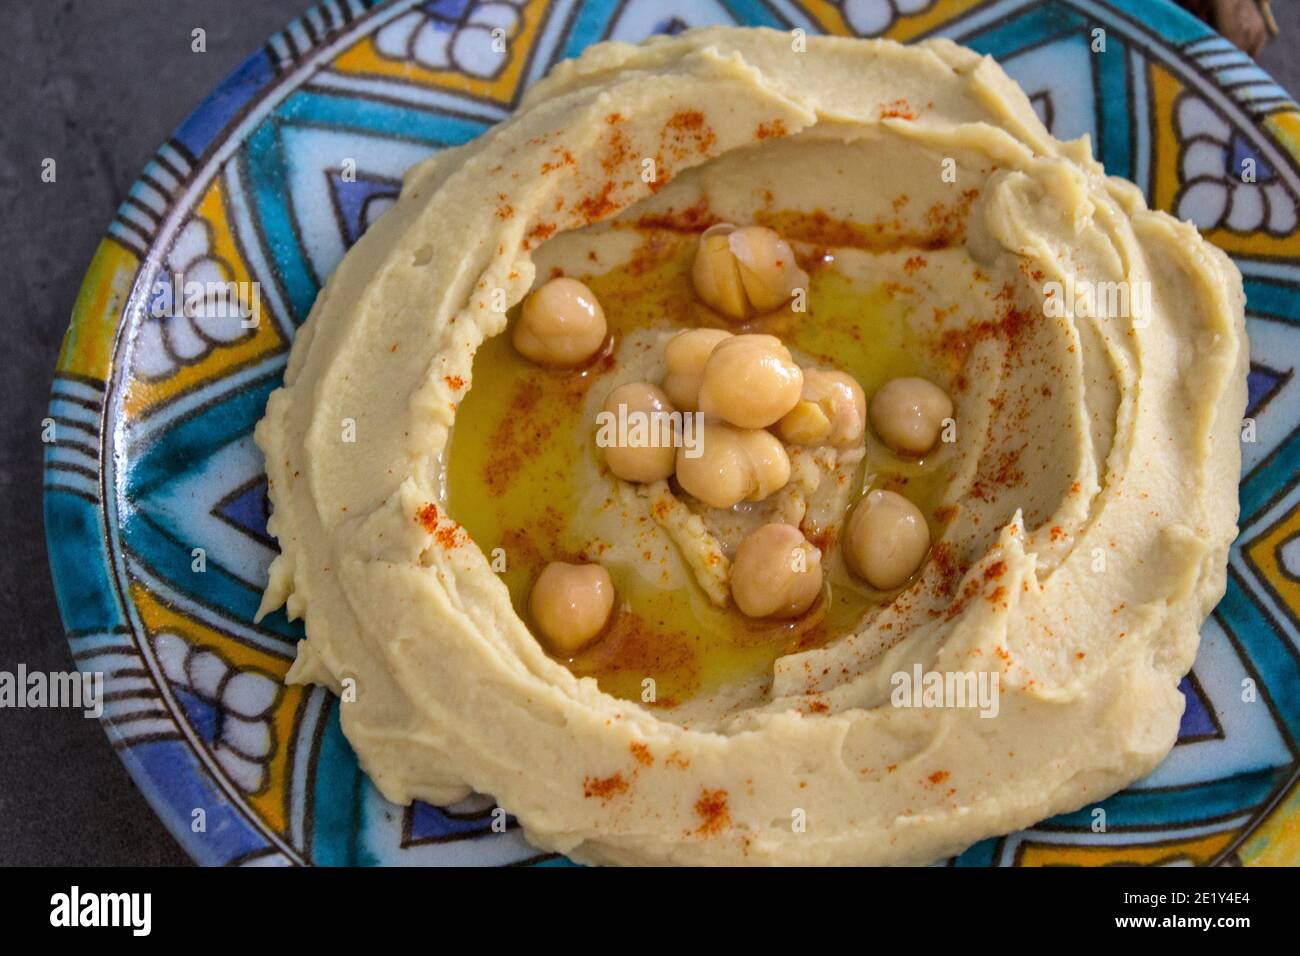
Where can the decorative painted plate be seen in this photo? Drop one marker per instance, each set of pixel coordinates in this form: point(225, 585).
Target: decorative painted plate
point(155, 500)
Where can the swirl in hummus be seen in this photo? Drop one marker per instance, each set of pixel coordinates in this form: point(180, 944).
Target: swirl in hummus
point(1080, 521)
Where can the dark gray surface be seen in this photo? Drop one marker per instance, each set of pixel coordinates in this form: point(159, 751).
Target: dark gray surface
point(98, 84)
point(1281, 58)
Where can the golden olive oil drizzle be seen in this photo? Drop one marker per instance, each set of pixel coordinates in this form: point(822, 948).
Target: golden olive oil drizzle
point(513, 462)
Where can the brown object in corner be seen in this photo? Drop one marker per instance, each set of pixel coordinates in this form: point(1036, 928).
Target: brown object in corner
point(1247, 23)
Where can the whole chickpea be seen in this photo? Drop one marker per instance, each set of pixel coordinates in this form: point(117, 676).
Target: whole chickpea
point(776, 573)
point(832, 410)
point(908, 414)
point(571, 604)
point(886, 539)
point(750, 381)
point(768, 461)
point(746, 270)
point(561, 325)
point(768, 269)
point(721, 475)
point(734, 465)
point(640, 463)
point(685, 355)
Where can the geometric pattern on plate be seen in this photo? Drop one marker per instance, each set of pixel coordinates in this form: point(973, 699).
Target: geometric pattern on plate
point(303, 146)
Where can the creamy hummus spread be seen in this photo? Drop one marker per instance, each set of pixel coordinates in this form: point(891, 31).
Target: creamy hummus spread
point(422, 473)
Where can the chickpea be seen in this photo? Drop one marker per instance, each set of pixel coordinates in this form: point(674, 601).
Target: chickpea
point(642, 462)
point(887, 539)
point(832, 410)
point(734, 465)
point(908, 414)
point(716, 273)
point(776, 573)
point(768, 461)
point(571, 604)
point(768, 268)
point(746, 270)
point(561, 326)
point(720, 476)
point(685, 355)
point(805, 424)
point(750, 381)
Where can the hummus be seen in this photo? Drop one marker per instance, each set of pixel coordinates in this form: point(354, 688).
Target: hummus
point(1080, 521)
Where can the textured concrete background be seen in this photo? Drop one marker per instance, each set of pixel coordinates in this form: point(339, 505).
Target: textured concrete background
point(98, 84)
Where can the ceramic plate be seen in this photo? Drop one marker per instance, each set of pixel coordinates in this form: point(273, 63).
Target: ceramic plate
point(155, 501)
